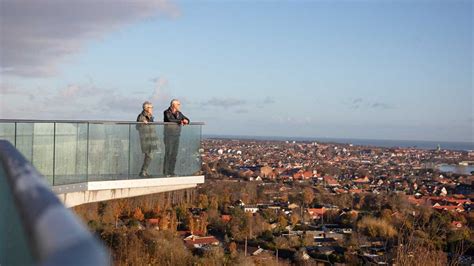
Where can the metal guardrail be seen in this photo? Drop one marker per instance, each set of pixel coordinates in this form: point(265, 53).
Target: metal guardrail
point(54, 235)
point(88, 121)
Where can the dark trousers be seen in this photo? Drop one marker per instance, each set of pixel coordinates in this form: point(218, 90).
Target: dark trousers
point(146, 162)
point(171, 152)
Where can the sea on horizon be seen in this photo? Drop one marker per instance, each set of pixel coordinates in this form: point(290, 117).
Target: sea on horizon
point(420, 144)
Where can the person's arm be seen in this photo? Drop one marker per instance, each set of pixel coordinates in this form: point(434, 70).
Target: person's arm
point(184, 118)
point(140, 118)
point(168, 117)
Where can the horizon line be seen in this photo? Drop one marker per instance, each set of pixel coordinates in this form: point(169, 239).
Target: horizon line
point(334, 138)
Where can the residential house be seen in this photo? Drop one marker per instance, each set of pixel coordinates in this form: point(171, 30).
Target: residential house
point(193, 241)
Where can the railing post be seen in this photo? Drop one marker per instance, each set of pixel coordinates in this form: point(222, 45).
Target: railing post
point(76, 166)
point(87, 153)
point(129, 150)
point(33, 143)
point(14, 136)
point(54, 153)
point(200, 142)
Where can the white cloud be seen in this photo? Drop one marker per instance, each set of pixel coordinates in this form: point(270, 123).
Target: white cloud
point(70, 91)
point(359, 103)
point(81, 101)
point(8, 89)
point(269, 100)
point(36, 36)
point(224, 102)
point(160, 85)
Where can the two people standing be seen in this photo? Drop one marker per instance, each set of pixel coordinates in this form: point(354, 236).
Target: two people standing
point(149, 138)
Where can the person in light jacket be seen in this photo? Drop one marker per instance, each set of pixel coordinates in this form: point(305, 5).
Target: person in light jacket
point(148, 136)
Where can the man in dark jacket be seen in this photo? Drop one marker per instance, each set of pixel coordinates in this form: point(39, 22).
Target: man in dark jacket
point(148, 136)
point(172, 133)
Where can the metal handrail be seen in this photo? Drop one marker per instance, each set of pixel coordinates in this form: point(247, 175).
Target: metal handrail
point(87, 121)
point(55, 235)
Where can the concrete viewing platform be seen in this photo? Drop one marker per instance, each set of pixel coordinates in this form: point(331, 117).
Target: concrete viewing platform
point(94, 191)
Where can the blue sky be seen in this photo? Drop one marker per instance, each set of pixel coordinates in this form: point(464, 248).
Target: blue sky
point(347, 69)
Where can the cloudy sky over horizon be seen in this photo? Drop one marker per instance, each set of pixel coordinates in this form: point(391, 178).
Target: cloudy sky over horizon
point(340, 69)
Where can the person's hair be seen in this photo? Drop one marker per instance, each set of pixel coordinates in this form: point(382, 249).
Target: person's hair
point(144, 105)
point(172, 101)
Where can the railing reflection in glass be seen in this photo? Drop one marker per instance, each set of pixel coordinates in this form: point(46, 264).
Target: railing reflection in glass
point(69, 152)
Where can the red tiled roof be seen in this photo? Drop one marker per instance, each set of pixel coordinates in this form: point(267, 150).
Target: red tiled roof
point(416, 201)
point(448, 208)
point(451, 200)
point(205, 240)
point(361, 180)
point(298, 175)
point(153, 221)
point(226, 218)
point(456, 224)
point(330, 181)
point(189, 233)
point(307, 174)
point(316, 211)
point(356, 191)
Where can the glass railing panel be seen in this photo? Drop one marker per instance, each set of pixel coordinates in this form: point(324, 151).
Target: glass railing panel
point(24, 139)
point(188, 161)
point(76, 152)
point(43, 149)
point(14, 249)
point(174, 149)
point(149, 139)
point(70, 160)
point(7, 132)
point(108, 157)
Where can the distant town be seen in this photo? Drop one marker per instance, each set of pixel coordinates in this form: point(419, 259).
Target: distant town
point(304, 203)
point(342, 168)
